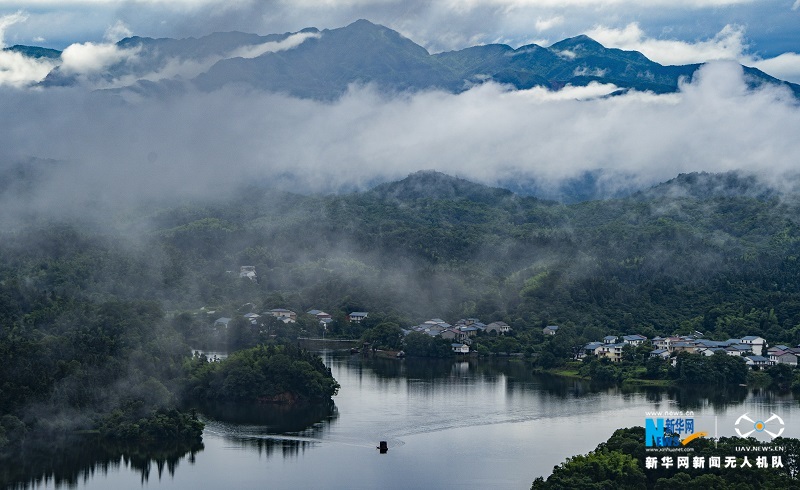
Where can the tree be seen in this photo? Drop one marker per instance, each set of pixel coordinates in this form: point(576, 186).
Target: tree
point(385, 335)
point(418, 344)
point(241, 334)
point(782, 376)
point(655, 368)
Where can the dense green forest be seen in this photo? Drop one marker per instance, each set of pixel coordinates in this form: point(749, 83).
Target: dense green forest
point(266, 373)
point(98, 316)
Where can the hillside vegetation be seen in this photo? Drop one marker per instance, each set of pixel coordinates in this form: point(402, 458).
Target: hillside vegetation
point(96, 319)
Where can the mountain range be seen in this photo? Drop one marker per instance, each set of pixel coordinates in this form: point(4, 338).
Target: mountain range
point(322, 64)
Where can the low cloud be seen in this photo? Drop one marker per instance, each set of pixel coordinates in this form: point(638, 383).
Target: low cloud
point(785, 66)
point(585, 71)
point(727, 44)
point(21, 71)
point(187, 69)
point(117, 32)
point(16, 69)
point(207, 144)
point(273, 47)
point(91, 58)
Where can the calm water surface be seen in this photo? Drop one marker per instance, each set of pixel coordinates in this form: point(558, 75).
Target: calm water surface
point(477, 424)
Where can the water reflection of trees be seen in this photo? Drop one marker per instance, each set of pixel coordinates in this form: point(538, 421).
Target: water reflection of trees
point(272, 429)
point(273, 446)
point(697, 397)
point(519, 377)
point(68, 461)
point(273, 419)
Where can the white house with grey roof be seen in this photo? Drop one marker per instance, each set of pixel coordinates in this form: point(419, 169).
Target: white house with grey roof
point(755, 343)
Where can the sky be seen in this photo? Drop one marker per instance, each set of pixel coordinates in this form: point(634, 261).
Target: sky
point(120, 149)
point(768, 27)
point(761, 33)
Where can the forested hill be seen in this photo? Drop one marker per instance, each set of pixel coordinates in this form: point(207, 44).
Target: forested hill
point(704, 251)
point(97, 315)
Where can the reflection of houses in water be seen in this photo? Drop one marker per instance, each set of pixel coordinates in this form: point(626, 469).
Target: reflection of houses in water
point(461, 367)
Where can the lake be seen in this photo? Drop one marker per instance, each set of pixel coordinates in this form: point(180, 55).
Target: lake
point(448, 424)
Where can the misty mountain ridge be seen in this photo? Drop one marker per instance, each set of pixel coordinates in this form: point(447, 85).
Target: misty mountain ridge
point(322, 64)
point(434, 185)
point(430, 184)
point(705, 185)
point(19, 177)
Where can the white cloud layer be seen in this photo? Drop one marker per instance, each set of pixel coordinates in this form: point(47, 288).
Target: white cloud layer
point(15, 69)
point(272, 47)
point(117, 32)
point(785, 66)
point(205, 144)
point(90, 58)
point(728, 44)
point(20, 71)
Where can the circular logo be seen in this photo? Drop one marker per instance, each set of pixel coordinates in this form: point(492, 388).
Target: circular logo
point(759, 426)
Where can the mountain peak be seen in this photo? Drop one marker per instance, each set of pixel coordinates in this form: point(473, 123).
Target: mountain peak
point(430, 184)
point(363, 23)
point(578, 45)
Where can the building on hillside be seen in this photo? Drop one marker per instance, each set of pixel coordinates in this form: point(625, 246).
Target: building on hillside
point(460, 348)
point(737, 350)
point(634, 339)
point(612, 351)
point(684, 346)
point(550, 330)
point(357, 316)
point(499, 328)
point(590, 349)
point(755, 343)
point(248, 271)
point(757, 361)
point(453, 334)
point(284, 315)
point(222, 322)
point(788, 356)
point(252, 318)
point(660, 353)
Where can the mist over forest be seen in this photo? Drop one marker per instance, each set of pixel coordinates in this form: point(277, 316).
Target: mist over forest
point(130, 197)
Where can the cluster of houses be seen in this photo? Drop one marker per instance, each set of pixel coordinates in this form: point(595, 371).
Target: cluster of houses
point(751, 348)
point(461, 333)
point(289, 316)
